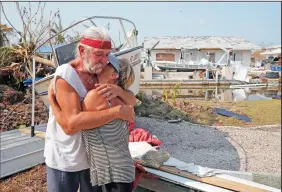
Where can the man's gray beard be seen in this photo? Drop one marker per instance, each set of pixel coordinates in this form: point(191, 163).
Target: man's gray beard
point(96, 67)
point(92, 69)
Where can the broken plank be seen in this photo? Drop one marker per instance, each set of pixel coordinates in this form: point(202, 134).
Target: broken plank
point(213, 180)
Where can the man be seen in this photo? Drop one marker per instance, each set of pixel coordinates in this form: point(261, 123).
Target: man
point(66, 159)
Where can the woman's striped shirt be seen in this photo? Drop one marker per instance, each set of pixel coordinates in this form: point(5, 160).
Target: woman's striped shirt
point(108, 153)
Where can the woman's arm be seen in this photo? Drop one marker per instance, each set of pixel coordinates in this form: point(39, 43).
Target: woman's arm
point(95, 102)
point(111, 91)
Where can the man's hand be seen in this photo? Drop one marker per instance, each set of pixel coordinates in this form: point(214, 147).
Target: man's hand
point(126, 113)
point(109, 91)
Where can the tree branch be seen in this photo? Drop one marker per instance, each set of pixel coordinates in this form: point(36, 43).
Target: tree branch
point(9, 21)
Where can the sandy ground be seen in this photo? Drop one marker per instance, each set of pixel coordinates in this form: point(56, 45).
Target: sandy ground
point(240, 149)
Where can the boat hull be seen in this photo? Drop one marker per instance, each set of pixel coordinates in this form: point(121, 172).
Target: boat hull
point(133, 54)
point(275, 68)
point(180, 67)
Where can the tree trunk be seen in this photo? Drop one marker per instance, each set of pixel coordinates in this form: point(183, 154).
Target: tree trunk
point(44, 61)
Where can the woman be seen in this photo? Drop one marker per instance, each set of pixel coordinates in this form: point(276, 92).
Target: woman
point(111, 165)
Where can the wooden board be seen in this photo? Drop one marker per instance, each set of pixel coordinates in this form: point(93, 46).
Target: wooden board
point(40, 134)
point(165, 57)
point(159, 185)
point(185, 182)
point(216, 181)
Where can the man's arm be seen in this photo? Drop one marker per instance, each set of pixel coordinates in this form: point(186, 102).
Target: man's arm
point(76, 119)
point(59, 115)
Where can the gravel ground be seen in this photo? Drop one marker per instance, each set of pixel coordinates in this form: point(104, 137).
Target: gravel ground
point(240, 149)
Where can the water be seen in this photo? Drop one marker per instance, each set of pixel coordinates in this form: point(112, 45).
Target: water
point(221, 94)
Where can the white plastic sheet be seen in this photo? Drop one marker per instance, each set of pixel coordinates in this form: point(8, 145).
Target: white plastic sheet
point(239, 94)
point(138, 149)
point(241, 73)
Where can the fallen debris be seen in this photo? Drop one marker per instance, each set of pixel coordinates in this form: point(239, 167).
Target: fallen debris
point(227, 113)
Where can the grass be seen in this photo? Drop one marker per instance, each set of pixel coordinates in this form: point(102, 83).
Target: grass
point(262, 112)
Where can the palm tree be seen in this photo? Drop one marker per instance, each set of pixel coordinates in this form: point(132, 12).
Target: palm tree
point(57, 28)
point(4, 32)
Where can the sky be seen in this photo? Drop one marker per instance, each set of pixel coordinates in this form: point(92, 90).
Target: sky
point(257, 22)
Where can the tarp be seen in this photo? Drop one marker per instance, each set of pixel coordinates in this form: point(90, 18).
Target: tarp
point(239, 94)
point(29, 81)
point(227, 113)
point(241, 73)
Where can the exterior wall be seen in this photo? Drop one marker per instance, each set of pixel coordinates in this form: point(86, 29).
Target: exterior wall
point(238, 56)
point(193, 57)
point(274, 52)
point(218, 55)
point(277, 49)
point(243, 56)
point(246, 58)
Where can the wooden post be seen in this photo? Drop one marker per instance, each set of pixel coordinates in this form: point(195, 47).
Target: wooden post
point(216, 76)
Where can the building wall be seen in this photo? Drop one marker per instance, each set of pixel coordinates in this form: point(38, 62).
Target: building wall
point(238, 56)
point(246, 58)
point(277, 49)
point(274, 52)
point(243, 56)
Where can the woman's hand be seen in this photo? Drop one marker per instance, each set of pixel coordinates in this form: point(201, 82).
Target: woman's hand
point(109, 91)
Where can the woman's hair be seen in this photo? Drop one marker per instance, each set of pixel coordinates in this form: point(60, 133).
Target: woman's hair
point(126, 74)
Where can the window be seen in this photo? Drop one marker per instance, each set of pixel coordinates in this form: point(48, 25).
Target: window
point(212, 57)
point(165, 57)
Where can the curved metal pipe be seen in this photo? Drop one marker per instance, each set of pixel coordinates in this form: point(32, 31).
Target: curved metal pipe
point(76, 23)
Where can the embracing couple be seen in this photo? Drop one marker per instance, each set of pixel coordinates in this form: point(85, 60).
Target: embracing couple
point(87, 134)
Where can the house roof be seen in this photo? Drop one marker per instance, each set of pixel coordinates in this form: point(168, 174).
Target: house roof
point(273, 47)
point(48, 49)
point(195, 42)
point(272, 50)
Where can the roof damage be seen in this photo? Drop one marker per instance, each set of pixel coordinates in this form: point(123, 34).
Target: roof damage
point(198, 42)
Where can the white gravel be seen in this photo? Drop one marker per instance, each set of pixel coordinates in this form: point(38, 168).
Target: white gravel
point(237, 149)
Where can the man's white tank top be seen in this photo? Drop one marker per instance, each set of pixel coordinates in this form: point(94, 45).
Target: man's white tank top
point(65, 152)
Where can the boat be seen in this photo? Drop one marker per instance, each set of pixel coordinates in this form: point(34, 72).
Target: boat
point(276, 64)
point(180, 67)
point(129, 49)
point(275, 68)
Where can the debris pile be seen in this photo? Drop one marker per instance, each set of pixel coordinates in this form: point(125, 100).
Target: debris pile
point(15, 109)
